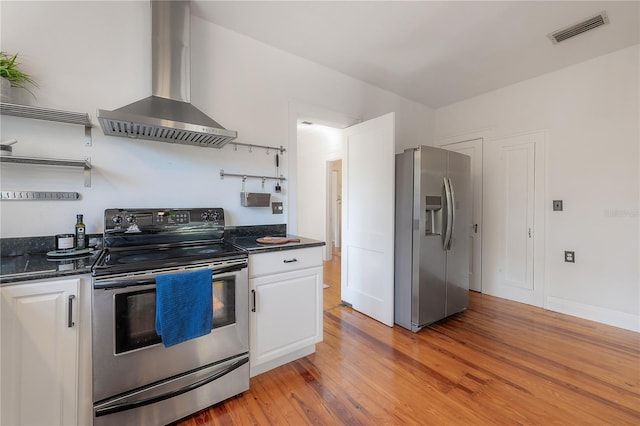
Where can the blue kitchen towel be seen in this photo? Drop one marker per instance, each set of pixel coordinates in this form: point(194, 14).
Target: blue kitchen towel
point(184, 306)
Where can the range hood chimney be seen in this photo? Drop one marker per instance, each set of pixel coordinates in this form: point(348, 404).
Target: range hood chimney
point(167, 115)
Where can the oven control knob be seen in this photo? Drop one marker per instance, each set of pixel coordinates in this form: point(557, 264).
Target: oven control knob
point(215, 215)
point(130, 219)
point(117, 220)
point(206, 216)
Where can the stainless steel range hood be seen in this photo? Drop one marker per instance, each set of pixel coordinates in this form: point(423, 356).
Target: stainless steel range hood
point(168, 115)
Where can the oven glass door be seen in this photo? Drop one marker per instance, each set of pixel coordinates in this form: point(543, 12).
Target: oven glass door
point(125, 340)
point(135, 315)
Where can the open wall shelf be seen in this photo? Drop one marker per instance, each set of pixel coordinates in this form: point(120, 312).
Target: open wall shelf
point(48, 114)
point(85, 164)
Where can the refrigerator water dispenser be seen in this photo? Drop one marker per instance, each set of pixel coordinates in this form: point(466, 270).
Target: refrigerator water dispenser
point(433, 224)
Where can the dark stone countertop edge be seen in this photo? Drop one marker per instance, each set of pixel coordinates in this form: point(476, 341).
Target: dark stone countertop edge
point(6, 280)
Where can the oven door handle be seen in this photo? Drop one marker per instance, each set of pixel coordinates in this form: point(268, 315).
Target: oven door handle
point(111, 407)
point(135, 281)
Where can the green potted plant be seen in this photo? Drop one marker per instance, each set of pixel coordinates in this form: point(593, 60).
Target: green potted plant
point(12, 76)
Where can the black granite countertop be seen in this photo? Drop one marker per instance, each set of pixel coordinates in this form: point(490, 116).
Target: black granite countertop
point(34, 266)
point(25, 259)
point(244, 237)
point(250, 244)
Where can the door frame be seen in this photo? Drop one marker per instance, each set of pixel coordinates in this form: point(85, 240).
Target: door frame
point(485, 135)
point(331, 197)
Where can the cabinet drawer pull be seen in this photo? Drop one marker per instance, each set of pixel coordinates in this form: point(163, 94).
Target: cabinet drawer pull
point(70, 322)
point(290, 260)
point(253, 293)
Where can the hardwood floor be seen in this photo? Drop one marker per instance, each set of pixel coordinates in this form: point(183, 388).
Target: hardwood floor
point(331, 295)
point(499, 362)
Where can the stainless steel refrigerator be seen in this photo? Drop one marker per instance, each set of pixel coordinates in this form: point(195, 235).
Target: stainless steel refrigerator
point(432, 235)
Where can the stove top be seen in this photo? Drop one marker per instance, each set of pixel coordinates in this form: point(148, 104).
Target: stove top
point(138, 240)
point(143, 258)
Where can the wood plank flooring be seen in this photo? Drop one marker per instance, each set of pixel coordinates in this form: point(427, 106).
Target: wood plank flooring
point(499, 362)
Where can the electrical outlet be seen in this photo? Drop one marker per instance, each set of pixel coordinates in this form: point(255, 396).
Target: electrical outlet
point(276, 207)
point(557, 205)
point(570, 256)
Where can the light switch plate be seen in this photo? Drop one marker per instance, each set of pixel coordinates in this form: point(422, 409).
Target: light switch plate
point(276, 207)
point(557, 205)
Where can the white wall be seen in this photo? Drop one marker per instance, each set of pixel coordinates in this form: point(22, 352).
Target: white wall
point(316, 145)
point(91, 55)
point(590, 112)
point(262, 92)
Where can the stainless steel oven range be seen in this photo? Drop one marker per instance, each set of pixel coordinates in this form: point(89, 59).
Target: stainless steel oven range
point(136, 379)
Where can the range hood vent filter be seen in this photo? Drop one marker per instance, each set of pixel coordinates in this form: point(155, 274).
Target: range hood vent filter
point(162, 134)
point(573, 30)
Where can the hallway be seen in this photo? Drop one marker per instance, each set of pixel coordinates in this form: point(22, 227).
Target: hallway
point(331, 294)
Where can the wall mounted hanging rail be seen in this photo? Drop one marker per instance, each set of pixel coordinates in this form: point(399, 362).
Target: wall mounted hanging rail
point(245, 177)
point(280, 149)
point(38, 195)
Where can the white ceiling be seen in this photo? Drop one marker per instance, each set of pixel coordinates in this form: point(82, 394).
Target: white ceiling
point(433, 52)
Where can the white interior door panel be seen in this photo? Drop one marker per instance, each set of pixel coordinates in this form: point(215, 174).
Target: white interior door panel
point(368, 199)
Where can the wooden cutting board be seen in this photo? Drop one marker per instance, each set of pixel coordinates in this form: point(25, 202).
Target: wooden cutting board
point(277, 240)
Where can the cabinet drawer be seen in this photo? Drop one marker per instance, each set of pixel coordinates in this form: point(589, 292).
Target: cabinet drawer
point(284, 261)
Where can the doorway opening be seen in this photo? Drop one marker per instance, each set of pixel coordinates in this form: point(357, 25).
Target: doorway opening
point(319, 200)
point(334, 207)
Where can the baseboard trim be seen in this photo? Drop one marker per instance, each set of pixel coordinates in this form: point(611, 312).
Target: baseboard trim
point(594, 313)
point(292, 356)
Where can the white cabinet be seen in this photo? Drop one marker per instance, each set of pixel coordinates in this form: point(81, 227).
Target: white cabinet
point(286, 306)
point(39, 352)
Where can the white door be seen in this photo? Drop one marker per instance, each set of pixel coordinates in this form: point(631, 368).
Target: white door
point(513, 218)
point(473, 148)
point(368, 189)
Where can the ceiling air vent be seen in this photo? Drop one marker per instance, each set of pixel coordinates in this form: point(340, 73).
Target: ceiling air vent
point(579, 28)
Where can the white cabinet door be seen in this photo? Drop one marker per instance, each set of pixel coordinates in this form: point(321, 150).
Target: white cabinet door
point(39, 350)
point(286, 316)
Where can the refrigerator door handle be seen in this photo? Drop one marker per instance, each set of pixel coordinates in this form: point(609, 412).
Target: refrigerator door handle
point(447, 216)
point(452, 214)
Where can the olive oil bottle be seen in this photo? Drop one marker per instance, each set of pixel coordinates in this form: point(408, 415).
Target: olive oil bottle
point(81, 240)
